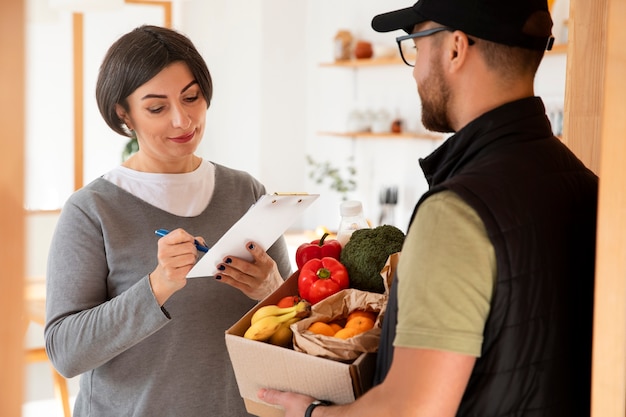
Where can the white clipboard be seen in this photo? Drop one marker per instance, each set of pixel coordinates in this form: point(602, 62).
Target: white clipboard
point(263, 223)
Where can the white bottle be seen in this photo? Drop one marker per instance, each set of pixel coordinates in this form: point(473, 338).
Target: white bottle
point(352, 219)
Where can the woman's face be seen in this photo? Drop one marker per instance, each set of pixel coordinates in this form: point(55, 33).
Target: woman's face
point(167, 114)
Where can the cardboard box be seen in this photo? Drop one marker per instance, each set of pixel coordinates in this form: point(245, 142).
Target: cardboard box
point(262, 365)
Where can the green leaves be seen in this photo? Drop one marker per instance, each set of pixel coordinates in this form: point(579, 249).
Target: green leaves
point(341, 180)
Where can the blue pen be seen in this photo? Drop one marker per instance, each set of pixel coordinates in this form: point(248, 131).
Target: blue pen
point(200, 247)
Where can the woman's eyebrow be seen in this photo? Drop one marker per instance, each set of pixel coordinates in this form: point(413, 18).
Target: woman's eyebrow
point(185, 88)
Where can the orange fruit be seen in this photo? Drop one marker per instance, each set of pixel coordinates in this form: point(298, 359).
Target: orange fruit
point(346, 333)
point(362, 313)
point(335, 326)
point(319, 327)
point(360, 323)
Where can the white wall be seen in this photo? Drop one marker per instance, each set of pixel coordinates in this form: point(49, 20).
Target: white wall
point(255, 53)
point(49, 128)
point(227, 34)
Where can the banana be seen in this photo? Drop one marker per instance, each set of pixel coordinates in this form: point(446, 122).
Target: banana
point(303, 308)
point(267, 320)
point(284, 336)
point(264, 328)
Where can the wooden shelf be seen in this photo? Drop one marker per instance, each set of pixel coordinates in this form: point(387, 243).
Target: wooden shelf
point(396, 60)
point(369, 135)
point(369, 62)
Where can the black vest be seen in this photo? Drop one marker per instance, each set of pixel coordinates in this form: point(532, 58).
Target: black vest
point(538, 203)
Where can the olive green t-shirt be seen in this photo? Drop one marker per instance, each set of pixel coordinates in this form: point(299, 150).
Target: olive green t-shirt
point(446, 275)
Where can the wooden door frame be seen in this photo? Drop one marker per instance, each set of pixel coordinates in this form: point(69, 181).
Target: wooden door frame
point(601, 26)
point(12, 222)
point(595, 128)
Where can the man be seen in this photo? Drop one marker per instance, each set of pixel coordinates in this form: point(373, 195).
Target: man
point(491, 310)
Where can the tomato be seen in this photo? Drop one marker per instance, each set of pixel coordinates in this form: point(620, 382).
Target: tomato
point(288, 301)
point(317, 249)
point(321, 278)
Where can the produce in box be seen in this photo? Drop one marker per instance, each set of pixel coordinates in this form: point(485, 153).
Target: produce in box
point(320, 278)
point(366, 253)
point(318, 249)
point(271, 323)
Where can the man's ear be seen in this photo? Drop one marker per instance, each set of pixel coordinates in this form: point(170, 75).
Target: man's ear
point(458, 49)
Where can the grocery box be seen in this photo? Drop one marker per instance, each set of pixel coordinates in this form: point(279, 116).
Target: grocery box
point(262, 365)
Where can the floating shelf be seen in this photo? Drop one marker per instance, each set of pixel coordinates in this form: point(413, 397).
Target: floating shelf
point(369, 135)
point(396, 60)
point(367, 62)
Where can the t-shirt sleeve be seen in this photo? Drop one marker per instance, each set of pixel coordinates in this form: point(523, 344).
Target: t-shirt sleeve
point(446, 276)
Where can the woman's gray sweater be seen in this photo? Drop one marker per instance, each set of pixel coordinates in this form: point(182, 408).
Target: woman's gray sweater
point(103, 321)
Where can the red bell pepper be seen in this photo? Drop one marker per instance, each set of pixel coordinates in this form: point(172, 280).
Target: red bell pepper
point(321, 278)
point(318, 249)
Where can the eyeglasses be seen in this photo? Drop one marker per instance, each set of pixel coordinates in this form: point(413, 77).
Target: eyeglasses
point(405, 43)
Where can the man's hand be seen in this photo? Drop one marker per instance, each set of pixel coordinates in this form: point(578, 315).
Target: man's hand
point(294, 404)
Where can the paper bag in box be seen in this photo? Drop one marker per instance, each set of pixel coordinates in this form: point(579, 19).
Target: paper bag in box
point(262, 365)
point(338, 306)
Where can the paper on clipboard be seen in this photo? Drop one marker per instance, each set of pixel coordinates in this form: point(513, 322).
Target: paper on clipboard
point(263, 223)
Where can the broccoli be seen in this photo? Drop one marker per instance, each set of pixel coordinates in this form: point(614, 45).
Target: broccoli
point(365, 254)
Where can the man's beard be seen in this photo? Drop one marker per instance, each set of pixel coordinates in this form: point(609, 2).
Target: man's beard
point(435, 96)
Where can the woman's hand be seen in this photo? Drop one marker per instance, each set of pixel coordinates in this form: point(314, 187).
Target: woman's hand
point(256, 279)
point(177, 254)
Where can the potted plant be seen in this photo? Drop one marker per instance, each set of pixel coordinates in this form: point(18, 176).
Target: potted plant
point(342, 181)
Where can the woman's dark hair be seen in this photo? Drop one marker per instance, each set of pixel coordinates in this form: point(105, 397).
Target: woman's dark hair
point(136, 58)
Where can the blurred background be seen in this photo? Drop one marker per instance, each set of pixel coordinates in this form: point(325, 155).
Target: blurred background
point(283, 109)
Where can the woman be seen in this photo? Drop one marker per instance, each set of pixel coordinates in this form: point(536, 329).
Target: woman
point(120, 310)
